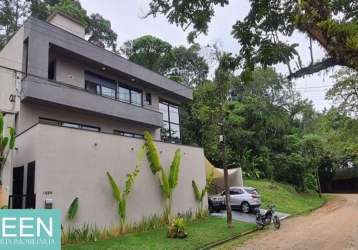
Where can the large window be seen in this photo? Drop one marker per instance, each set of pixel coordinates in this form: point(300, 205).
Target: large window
point(100, 85)
point(69, 124)
point(107, 87)
point(128, 134)
point(171, 128)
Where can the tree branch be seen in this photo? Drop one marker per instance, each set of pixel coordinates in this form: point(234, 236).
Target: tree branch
point(313, 68)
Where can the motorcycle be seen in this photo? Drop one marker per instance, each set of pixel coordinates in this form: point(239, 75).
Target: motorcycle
point(265, 219)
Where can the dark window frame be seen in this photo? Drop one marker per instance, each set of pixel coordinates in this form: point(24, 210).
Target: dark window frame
point(92, 78)
point(52, 70)
point(60, 123)
point(170, 138)
point(128, 134)
point(148, 98)
point(130, 88)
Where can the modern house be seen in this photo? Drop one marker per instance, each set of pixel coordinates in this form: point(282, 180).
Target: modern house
point(80, 111)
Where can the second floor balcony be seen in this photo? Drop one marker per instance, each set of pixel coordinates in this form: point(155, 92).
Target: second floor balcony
point(105, 102)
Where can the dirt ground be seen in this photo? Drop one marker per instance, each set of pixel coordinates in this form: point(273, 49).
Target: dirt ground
point(332, 227)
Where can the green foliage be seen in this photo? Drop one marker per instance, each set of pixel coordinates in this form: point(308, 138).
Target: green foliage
point(345, 90)
point(89, 233)
point(7, 143)
point(181, 64)
point(197, 193)
point(117, 194)
point(164, 185)
point(285, 197)
point(263, 34)
point(121, 196)
point(152, 153)
point(100, 32)
point(201, 233)
point(167, 182)
point(14, 12)
point(174, 170)
point(150, 52)
point(71, 8)
point(176, 229)
point(72, 210)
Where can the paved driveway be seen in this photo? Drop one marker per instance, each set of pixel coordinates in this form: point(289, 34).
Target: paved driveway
point(250, 218)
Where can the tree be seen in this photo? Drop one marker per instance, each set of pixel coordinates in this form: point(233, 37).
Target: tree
point(11, 14)
point(150, 52)
point(345, 90)
point(181, 64)
point(14, 12)
point(189, 68)
point(262, 34)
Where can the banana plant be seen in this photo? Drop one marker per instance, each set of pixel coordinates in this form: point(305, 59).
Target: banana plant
point(121, 196)
point(7, 143)
point(169, 181)
point(199, 195)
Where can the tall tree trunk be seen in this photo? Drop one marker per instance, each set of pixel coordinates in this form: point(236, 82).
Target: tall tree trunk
point(223, 160)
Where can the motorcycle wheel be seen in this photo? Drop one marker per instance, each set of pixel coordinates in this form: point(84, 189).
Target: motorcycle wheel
point(276, 222)
point(259, 226)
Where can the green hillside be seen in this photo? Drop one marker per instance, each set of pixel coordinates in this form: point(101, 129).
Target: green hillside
point(285, 197)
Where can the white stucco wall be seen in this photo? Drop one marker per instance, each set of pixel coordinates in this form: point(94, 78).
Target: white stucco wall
point(11, 58)
point(73, 163)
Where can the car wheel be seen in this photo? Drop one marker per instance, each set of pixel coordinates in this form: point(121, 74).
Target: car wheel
point(245, 207)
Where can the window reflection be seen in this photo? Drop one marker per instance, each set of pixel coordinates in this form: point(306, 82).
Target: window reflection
point(123, 94)
point(170, 131)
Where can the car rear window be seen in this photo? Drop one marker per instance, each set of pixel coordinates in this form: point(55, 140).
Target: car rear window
point(251, 191)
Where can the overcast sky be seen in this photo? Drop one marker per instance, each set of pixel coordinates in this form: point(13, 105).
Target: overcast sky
point(126, 18)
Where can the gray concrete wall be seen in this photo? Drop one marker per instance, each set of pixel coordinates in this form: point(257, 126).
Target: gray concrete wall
point(72, 163)
point(43, 34)
point(70, 72)
point(30, 113)
point(43, 90)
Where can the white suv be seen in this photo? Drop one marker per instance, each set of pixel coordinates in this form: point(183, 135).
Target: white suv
point(244, 198)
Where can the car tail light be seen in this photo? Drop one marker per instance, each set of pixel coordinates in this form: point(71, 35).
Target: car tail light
point(254, 196)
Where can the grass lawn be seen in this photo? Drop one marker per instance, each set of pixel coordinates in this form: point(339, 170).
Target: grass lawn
point(212, 229)
point(200, 233)
point(285, 197)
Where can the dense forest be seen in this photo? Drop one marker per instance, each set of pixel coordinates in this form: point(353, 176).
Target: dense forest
point(270, 131)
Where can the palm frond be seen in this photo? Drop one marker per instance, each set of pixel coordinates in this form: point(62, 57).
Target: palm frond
point(131, 177)
point(12, 133)
point(72, 210)
point(115, 189)
point(152, 153)
point(174, 170)
point(164, 184)
point(196, 191)
point(122, 208)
